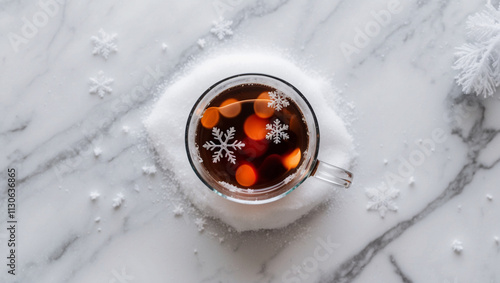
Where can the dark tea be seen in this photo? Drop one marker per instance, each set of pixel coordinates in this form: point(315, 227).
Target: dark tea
point(252, 138)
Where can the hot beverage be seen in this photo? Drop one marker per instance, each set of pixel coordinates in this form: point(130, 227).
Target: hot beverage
point(251, 138)
point(254, 138)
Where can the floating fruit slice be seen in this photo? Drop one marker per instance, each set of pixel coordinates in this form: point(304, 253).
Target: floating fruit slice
point(246, 175)
point(230, 108)
point(260, 106)
point(255, 127)
point(292, 160)
point(210, 117)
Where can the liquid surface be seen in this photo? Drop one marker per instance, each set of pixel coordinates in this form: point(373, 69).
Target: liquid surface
point(251, 137)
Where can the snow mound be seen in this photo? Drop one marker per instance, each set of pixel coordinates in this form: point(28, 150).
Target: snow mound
point(166, 126)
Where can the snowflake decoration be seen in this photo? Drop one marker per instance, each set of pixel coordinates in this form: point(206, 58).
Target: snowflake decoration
point(118, 200)
point(100, 85)
point(278, 100)
point(178, 210)
point(105, 44)
point(457, 246)
point(479, 61)
point(94, 195)
point(200, 223)
point(201, 43)
point(97, 151)
point(223, 146)
point(382, 199)
point(149, 170)
point(222, 28)
point(276, 131)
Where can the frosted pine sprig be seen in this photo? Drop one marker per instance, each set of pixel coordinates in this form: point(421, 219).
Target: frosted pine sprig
point(479, 61)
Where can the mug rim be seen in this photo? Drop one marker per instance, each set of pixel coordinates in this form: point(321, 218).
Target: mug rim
point(313, 158)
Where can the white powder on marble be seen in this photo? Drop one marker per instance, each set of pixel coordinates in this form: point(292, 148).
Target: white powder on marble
point(201, 43)
point(137, 188)
point(97, 151)
point(200, 223)
point(166, 127)
point(457, 246)
point(118, 200)
point(149, 170)
point(489, 197)
point(497, 240)
point(411, 181)
point(125, 129)
point(178, 210)
point(97, 219)
point(94, 195)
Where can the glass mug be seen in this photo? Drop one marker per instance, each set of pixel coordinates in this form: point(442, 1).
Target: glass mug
point(253, 138)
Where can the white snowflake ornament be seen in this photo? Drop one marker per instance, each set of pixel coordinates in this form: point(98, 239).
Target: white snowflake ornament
point(277, 132)
point(222, 28)
point(201, 43)
point(200, 223)
point(94, 195)
point(100, 85)
point(149, 170)
point(223, 145)
point(97, 151)
point(105, 44)
point(178, 210)
point(118, 200)
point(278, 100)
point(457, 246)
point(382, 199)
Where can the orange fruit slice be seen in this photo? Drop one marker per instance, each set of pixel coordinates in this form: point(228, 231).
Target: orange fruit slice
point(246, 175)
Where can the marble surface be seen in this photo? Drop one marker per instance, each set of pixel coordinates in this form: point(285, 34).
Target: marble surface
point(438, 221)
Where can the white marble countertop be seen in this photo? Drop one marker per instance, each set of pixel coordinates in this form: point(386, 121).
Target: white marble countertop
point(442, 222)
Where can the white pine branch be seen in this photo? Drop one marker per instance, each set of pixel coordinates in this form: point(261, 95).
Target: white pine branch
point(479, 61)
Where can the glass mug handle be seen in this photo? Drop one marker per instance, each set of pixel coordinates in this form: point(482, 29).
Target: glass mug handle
point(332, 174)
